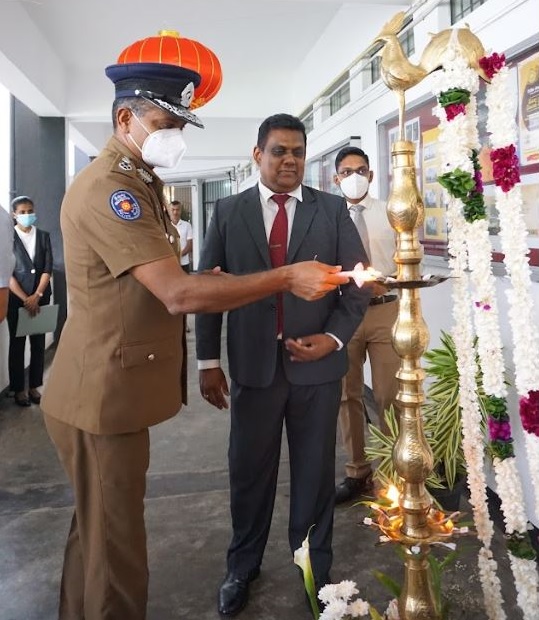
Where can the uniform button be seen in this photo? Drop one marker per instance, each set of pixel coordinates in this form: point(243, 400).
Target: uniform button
point(32, 270)
point(151, 357)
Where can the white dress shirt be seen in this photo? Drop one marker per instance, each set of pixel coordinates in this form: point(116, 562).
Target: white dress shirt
point(185, 232)
point(382, 238)
point(28, 240)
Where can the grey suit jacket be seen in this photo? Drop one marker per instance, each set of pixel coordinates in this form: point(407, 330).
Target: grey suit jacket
point(236, 241)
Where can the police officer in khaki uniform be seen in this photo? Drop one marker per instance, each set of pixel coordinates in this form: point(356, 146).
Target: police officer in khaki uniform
point(118, 364)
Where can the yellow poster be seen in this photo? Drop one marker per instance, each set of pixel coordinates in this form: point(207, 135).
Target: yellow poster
point(528, 88)
point(435, 223)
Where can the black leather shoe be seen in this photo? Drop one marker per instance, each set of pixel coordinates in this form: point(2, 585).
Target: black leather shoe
point(22, 401)
point(234, 592)
point(352, 488)
point(35, 397)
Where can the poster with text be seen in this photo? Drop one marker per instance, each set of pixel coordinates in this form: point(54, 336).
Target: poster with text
point(435, 225)
point(528, 80)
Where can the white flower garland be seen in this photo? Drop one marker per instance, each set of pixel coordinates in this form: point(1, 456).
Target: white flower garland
point(513, 234)
point(457, 139)
point(472, 437)
point(471, 241)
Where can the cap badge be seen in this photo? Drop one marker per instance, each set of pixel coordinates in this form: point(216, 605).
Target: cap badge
point(125, 164)
point(145, 175)
point(187, 94)
point(125, 205)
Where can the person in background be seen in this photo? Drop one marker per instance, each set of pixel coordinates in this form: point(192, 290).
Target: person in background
point(185, 231)
point(29, 288)
point(373, 336)
point(286, 357)
point(7, 259)
point(118, 364)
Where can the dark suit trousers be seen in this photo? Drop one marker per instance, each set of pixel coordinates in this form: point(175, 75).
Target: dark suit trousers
point(257, 416)
point(105, 574)
point(16, 355)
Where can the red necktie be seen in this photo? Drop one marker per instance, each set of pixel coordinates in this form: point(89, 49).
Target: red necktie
point(278, 241)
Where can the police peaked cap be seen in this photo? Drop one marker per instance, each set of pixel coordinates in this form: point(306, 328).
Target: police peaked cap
point(168, 86)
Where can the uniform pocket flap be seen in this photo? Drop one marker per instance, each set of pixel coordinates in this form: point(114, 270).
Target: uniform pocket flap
point(148, 352)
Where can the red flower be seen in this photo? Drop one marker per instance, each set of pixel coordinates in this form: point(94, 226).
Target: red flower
point(454, 109)
point(499, 430)
point(529, 412)
point(492, 64)
point(505, 167)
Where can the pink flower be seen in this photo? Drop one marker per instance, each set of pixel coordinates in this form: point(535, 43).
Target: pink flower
point(478, 178)
point(492, 64)
point(529, 412)
point(454, 109)
point(499, 430)
point(505, 167)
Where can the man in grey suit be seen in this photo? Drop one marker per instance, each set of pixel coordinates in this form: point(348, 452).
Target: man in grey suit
point(286, 356)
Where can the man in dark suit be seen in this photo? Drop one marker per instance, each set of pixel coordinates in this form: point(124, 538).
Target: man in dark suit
point(286, 357)
point(29, 288)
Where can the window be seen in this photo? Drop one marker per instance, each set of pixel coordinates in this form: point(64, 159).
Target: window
point(461, 8)
point(211, 192)
point(307, 118)
point(312, 174)
point(408, 42)
point(373, 70)
point(339, 98)
point(319, 172)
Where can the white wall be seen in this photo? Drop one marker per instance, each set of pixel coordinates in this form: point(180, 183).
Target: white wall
point(28, 65)
point(337, 48)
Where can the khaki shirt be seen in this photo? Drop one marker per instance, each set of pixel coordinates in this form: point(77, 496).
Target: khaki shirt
point(118, 366)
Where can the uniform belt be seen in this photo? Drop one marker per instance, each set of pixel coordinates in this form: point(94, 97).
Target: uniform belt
point(382, 299)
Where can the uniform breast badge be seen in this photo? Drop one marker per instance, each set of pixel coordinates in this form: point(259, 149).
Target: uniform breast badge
point(125, 205)
point(125, 164)
point(145, 175)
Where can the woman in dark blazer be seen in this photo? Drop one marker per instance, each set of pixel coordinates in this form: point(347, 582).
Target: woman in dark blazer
point(30, 288)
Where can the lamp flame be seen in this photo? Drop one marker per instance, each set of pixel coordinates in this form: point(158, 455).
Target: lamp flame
point(393, 495)
point(360, 275)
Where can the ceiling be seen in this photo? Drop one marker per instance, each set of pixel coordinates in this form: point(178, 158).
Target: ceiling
point(60, 49)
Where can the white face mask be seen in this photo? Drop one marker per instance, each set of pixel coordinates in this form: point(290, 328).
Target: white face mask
point(163, 148)
point(354, 186)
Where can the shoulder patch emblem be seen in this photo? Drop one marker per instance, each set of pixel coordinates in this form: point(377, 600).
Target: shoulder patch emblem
point(125, 205)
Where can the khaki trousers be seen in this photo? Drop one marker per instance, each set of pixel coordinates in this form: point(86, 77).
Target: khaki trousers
point(105, 573)
point(372, 338)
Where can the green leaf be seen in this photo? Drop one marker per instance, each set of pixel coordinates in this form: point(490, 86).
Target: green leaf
point(302, 558)
point(458, 183)
point(374, 614)
point(520, 546)
point(389, 583)
point(454, 95)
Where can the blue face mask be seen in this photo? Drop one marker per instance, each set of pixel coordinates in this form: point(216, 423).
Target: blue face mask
point(26, 219)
